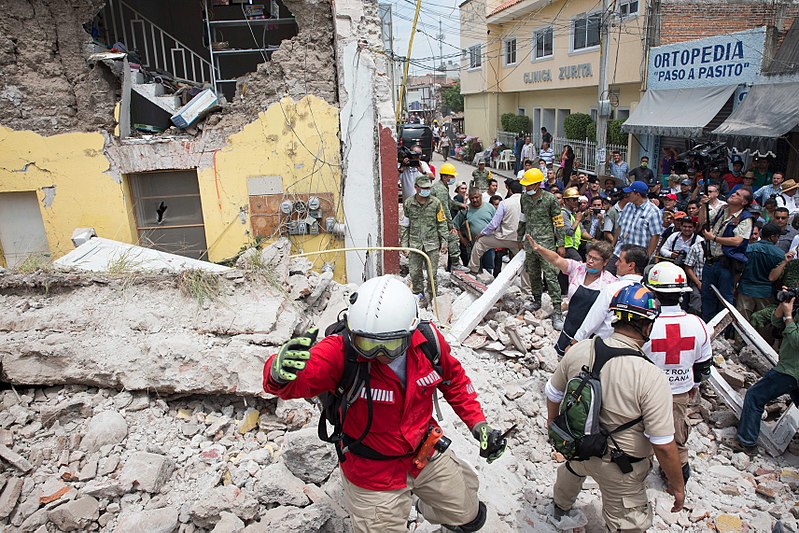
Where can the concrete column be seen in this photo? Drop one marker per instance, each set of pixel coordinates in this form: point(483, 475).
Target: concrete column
point(369, 155)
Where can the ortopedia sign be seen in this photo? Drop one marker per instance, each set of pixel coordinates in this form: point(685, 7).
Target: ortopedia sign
point(721, 60)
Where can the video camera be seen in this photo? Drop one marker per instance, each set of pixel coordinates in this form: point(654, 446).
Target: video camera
point(403, 153)
point(708, 155)
point(787, 294)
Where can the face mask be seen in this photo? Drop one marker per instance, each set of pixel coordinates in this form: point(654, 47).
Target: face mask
point(592, 270)
point(530, 193)
point(643, 165)
point(424, 193)
point(451, 182)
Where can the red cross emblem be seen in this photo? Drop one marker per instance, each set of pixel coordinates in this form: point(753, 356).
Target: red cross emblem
point(673, 344)
point(679, 279)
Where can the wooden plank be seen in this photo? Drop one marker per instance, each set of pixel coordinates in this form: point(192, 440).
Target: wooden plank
point(468, 282)
point(475, 313)
point(124, 103)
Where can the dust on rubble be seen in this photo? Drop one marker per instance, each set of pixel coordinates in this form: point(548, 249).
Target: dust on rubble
point(114, 455)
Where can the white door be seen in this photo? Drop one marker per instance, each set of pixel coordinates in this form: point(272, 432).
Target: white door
point(21, 227)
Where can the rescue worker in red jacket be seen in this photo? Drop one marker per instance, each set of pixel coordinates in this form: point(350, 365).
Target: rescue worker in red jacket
point(380, 470)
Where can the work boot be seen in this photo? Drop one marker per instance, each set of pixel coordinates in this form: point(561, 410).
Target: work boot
point(459, 268)
point(533, 305)
point(567, 520)
point(557, 319)
point(735, 445)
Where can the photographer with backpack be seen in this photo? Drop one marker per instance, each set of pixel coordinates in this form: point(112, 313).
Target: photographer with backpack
point(608, 410)
point(377, 372)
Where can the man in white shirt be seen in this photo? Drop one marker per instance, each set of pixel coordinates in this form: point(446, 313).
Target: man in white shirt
point(410, 170)
point(528, 150)
point(629, 269)
point(680, 346)
point(676, 247)
point(546, 153)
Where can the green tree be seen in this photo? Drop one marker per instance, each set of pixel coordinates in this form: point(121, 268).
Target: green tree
point(575, 126)
point(515, 123)
point(452, 98)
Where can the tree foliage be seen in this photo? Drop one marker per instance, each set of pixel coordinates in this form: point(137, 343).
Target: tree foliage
point(575, 126)
point(515, 123)
point(614, 135)
point(452, 98)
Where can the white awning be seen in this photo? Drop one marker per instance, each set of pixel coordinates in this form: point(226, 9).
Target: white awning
point(677, 112)
point(768, 112)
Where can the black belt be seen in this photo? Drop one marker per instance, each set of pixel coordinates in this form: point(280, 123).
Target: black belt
point(362, 450)
point(636, 459)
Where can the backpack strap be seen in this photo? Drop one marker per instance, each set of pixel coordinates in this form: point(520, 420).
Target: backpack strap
point(432, 350)
point(604, 353)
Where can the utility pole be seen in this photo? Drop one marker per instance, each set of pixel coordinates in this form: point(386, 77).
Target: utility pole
point(439, 100)
point(603, 107)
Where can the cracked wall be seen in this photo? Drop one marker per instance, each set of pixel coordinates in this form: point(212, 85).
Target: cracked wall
point(45, 84)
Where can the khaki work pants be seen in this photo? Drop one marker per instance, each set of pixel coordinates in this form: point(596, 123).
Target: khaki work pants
point(624, 503)
point(681, 428)
point(487, 242)
point(447, 491)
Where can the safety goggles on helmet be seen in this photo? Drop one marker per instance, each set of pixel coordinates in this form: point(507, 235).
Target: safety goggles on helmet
point(371, 345)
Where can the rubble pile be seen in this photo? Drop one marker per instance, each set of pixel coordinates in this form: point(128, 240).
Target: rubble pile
point(167, 429)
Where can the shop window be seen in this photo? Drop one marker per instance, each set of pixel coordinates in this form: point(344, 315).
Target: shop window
point(585, 31)
point(543, 40)
point(510, 51)
point(628, 8)
point(621, 114)
point(475, 56)
point(168, 212)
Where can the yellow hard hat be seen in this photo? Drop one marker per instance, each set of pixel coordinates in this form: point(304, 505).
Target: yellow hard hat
point(571, 192)
point(448, 168)
point(532, 176)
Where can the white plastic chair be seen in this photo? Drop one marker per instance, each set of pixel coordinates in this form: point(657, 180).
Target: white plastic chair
point(506, 160)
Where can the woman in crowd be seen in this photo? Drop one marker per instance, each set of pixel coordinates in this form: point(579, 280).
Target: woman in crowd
point(566, 163)
point(585, 281)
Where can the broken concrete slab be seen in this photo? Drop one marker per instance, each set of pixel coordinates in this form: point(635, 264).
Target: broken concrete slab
point(147, 471)
point(10, 496)
point(140, 335)
point(108, 427)
point(307, 457)
point(97, 254)
point(164, 520)
point(466, 323)
point(15, 459)
point(75, 515)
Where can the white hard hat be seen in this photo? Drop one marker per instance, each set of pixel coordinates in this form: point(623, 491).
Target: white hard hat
point(382, 309)
point(667, 277)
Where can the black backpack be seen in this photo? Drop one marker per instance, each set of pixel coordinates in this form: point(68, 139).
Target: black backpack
point(354, 382)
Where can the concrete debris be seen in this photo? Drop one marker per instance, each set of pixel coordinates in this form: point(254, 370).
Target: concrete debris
point(147, 471)
point(208, 508)
point(75, 515)
point(277, 485)
point(106, 428)
point(164, 520)
point(10, 496)
point(306, 457)
point(15, 459)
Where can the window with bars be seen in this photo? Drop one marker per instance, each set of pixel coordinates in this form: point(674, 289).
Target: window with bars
point(543, 40)
point(510, 51)
point(628, 8)
point(475, 56)
point(585, 31)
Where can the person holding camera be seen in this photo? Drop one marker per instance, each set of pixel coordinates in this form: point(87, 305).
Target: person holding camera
point(761, 271)
point(675, 247)
point(411, 167)
point(782, 379)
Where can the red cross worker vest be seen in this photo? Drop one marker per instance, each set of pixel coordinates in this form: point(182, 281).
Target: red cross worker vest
point(678, 340)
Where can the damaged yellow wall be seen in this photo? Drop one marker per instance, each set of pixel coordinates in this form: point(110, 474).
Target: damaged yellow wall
point(74, 164)
point(297, 141)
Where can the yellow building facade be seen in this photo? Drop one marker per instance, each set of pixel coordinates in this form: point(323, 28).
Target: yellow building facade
point(541, 59)
point(290, 150)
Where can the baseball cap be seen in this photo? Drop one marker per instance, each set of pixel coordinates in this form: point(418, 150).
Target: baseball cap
point(637, 186)
point(593, 179)
point(670, 196)
point(749, 175)
point(423, 182)
point(616, 192)
point(771, 229)
point(679, 215)
point(686, 182)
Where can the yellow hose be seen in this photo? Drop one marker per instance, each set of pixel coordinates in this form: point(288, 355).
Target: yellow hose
point(430, 271)
point(407, 63)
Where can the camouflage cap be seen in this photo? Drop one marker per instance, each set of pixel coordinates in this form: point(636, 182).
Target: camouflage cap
point(423, 182)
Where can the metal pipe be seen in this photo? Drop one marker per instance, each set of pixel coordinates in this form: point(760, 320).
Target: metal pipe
point(430, 271)
point(407, 62)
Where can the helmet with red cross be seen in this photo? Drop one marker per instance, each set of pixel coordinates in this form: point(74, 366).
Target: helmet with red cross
point(667, 277)
point(634, 302)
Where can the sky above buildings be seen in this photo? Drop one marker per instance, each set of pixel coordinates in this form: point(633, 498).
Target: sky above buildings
point(428, 48)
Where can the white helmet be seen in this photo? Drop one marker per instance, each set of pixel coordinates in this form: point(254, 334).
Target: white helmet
point(667, 277)
point(382, 317)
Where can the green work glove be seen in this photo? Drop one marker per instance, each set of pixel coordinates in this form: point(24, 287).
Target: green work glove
point(292, 357)
point(492, 444)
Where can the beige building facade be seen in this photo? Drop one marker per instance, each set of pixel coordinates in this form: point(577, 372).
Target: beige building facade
point(541, 59)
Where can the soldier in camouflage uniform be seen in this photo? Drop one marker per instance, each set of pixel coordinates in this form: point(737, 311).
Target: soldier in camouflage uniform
point(423, 227)
point(480, 177)
point(441, 191)
point(542, 219)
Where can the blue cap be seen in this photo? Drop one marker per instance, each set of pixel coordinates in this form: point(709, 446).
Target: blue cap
point(637, 186)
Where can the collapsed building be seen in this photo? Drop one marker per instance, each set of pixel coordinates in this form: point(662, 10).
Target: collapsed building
point(197, 128)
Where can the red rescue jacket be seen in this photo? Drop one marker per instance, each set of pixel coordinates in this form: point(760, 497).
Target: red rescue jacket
point(400, 417)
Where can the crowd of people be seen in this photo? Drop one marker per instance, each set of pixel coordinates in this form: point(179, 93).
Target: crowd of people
point(637, 257)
